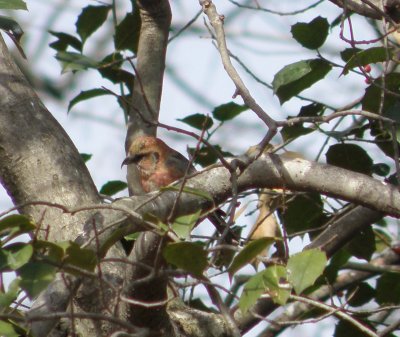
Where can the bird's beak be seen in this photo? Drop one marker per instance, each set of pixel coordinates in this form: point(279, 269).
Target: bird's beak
point(128, 160)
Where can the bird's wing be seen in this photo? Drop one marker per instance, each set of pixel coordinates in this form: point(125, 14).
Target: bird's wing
point(179, 163)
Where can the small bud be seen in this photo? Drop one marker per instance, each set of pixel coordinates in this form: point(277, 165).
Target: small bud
point(367, 68)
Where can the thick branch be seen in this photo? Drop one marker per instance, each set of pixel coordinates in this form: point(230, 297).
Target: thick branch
point(344, 228)
point(155, 18)
point(268, 171)
point(143, 117)
point(363, 7)
point(38, 161)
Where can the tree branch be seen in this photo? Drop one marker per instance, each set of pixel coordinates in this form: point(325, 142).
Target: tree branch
point(365, 8)
point(217, 22)
point(344, 227)
point(268, 171)
point(155, 19)
point(38, 161)
point(143, 117)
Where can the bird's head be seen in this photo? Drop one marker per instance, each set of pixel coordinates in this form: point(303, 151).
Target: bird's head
point(144, 149)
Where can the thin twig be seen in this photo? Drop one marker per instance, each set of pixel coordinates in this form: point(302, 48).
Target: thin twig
point(217, 21)
point(336, 312)
point(392, 327)
point(180, 31)
point(217, 300)
point(328, 118)
point(261, 9)
point(371, 268)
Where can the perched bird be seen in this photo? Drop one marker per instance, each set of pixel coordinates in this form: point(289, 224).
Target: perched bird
point(159, 165)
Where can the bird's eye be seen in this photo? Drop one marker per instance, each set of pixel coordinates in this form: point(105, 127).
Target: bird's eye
point(137, 158)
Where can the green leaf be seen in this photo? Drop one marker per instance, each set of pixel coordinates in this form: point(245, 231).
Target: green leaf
point(111, 69)
point(382, 238)
point(35, 277)
point(13, 30)
point(113, 187)
point(248, 254)
point(84, 95)
point(290, 132)
point(189, 256)
point(198, 121)
point(52, 251)
point(252, 291)
point(80, 257)
point(388, 289)
point(381, 169)
point(71, 61)
point(127, 32)
point(311, 35)
point(368, 56)
point(311, 110)
point(64, 41)
point(348, 53)
point(14, 225)
point(132, 237)
point(206, 156)
point(15, 256)
point(7, 330)
point(335, 264)
point(266, 281)
point(13, 4)
point(305, 267)
point(373, 98)
point(351, 157)
point(228, 111)
point(360, 294)
point(296, 77)
point(6, 299)
point(91, 19)
point(11, 26)
point(183, 225)
point(85, 156)
point(362, 245)
point(16, 220)
point(303, 212)
point(392, 111)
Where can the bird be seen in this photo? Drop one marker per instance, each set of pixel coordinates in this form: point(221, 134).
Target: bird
point(159, 165)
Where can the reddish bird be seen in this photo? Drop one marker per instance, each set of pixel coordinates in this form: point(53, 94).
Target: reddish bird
point(158, 164)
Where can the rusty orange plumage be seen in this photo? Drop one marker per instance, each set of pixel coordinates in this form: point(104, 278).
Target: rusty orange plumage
point(158, 164)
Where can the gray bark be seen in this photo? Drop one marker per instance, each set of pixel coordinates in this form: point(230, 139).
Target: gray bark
point(39, 164)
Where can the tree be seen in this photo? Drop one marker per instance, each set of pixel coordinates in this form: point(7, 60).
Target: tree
point(76, 270)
